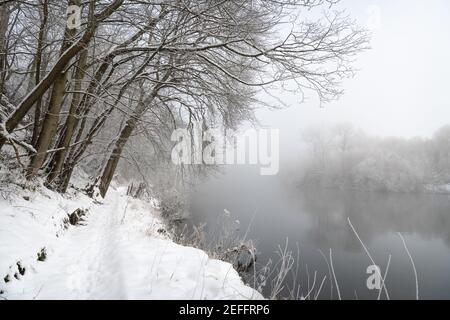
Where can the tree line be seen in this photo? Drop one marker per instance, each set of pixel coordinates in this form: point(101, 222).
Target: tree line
point(347, 158)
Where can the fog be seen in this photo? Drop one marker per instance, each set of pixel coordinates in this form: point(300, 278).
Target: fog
point(400, 88)
point(398, 93)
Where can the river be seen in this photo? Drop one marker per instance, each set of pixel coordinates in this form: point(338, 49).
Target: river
point(272, 210)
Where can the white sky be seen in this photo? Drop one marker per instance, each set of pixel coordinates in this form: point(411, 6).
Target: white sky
point(403, 86)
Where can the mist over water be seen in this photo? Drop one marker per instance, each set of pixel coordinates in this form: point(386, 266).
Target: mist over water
point(273, 209)
point(397, 110)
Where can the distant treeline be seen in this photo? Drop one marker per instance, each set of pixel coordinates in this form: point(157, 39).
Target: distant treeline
point(347, 158)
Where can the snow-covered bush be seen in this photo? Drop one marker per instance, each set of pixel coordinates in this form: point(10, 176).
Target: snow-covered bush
point(386, 171)
point(12, 179)
point(346, 158)
point(221, 241)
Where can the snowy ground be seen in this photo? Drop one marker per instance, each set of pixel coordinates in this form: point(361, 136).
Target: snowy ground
point(122, 252)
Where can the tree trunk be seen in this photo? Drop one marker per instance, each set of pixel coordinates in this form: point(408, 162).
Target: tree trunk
point(127, 130)
point(49, 126)
point(38, 59)
point(4, 19)
point(130, 125)
point(71, 121)
point(111, 165)
point(73, 155)
point(51, 120)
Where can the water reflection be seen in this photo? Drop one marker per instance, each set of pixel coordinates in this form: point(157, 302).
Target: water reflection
point(374, 214)
point(317, 220)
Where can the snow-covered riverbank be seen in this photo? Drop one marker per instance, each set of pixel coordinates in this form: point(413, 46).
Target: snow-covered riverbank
point(120, 251)
point(445, 188)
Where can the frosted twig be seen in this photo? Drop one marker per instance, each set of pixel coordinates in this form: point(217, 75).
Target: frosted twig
point(334, 275)
point(320, 288)
point(384, 277)
point(383, 285)
point(329, 272)
point(313, 285)
point(413, 265)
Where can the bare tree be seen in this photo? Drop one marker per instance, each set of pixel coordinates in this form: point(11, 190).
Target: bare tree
point(4, 20)
point(56, 75)
point(142, 65)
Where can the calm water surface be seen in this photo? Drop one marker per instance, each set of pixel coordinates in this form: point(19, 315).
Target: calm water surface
point(317, 220)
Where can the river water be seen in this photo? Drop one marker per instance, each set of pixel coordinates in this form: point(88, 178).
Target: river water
point(315, 221)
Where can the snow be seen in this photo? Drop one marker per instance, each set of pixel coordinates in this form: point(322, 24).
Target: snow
point(121, 251)
point(445, 188)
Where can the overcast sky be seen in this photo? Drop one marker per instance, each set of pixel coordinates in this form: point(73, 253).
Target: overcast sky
point(403, 86)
